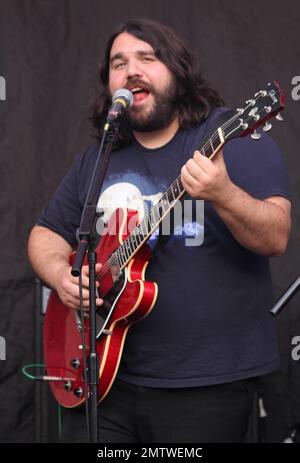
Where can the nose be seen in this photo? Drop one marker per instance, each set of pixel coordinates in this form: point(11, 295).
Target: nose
point(134, 69)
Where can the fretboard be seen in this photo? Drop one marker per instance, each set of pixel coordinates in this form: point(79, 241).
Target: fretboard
point(151, 221)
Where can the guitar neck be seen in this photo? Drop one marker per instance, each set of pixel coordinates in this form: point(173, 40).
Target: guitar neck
point(235, 123)
point(161, 209)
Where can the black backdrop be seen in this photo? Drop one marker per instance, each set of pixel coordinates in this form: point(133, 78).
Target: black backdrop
point(49, 53)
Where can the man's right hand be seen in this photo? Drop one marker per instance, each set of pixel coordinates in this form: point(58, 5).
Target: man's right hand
point(67, 288)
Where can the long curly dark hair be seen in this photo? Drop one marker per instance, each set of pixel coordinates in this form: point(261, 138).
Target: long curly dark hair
point(194, 95)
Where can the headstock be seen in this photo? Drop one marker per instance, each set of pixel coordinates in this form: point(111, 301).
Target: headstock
point(264, 105)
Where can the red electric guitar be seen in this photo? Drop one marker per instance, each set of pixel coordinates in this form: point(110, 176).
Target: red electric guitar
point(124, 253)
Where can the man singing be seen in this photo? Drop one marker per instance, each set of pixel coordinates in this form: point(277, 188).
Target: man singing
point(190, 369)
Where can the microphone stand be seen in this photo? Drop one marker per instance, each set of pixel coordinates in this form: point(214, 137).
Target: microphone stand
point(275, 311)
point(285, 298)
point(88, 241)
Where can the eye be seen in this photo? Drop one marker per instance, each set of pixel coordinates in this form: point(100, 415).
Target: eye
point(119, 65)
point(147, 59)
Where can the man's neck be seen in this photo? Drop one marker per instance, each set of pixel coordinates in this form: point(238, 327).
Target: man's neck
point(157, 138)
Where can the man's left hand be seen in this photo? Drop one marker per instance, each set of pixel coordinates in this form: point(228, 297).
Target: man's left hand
point(206, 179)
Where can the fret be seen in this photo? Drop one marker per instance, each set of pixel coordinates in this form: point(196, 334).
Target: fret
point(156, 213)
point(165, 204)
point(208, 147)
point(180, 187)
point(151, 220)
point(125, 254)
point(175, 190)
point(160, 207)
point(116, 262)
point(131, 244)
point(138, 239)
point(110, 260)
point(115, 256)
point(135, 238)
point(126, 243)
point(168, 197)
point(217, 141)
point(208, 150)
point(172, 193)
point(139, 235)
point(140, 231)
point(122, 254)
point(143, 228)
point(114, 265)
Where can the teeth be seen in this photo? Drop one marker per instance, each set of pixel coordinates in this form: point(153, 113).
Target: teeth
point(136, 89)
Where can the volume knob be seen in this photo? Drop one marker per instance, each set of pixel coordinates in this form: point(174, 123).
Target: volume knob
point(78, 392)
point(68, 386)
point(75, 363)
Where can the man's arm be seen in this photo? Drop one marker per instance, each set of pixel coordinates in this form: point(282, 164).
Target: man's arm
point(49, 256)
point(262, 226)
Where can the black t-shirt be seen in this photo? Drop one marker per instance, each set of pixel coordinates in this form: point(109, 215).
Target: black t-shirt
point(210, 323)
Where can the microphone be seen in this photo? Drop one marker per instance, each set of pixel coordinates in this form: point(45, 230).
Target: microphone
point(122, 100)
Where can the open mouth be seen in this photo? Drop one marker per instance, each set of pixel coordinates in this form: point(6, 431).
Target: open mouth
point(139, 94)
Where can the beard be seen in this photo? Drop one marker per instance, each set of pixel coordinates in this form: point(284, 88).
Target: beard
point(162, 113)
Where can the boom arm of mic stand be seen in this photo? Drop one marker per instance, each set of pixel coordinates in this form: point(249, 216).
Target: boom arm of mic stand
point(285, 298)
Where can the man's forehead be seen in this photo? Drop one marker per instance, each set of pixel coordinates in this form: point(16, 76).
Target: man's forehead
point(126, 43)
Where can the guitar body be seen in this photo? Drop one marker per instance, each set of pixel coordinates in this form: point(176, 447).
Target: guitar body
point(126, 301)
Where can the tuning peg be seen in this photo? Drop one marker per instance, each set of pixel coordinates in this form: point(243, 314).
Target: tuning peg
point(267, 127)
point(268, 109)
point(255, 135)
point(279, 117)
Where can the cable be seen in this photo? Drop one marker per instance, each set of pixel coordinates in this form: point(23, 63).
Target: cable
point(38, 378)
point(32, 365)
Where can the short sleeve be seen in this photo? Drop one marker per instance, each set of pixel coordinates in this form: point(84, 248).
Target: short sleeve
point(62, 215)
point(257, 166)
